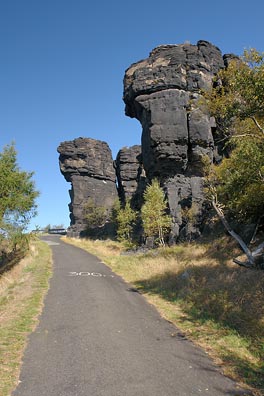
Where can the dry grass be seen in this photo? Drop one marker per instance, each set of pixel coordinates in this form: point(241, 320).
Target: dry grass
point(216, 303)
point(22, 290)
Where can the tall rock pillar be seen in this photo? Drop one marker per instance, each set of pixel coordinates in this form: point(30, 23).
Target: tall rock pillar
point(163, 93)
point(88, 165)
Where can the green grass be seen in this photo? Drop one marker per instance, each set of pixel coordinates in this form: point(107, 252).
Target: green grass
point(22, 292)
point(215, 303)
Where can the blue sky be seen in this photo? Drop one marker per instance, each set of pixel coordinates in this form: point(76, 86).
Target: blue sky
point(62, 67)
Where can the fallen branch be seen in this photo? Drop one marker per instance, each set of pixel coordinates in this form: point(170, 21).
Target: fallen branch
point(242, 263)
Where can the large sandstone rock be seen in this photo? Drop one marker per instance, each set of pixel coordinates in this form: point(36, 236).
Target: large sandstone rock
point(163, 93)
point(88, 165)
point(130, 175)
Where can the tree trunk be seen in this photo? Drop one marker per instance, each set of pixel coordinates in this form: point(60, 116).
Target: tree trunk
point(250, 256)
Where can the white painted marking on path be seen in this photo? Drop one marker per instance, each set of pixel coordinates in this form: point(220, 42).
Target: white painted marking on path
point(51, 242)
point(86, 273)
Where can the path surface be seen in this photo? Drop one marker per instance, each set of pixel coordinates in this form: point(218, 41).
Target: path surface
point(98, 337)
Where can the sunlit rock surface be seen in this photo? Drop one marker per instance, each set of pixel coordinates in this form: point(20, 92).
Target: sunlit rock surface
point(178, 139)
point(88, 165)
point(163, 93)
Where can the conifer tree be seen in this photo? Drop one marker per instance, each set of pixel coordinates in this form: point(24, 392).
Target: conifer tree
point(156, 223)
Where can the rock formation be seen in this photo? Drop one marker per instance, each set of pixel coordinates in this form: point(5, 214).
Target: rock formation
point(130, 175)
point(162, 92)
point(88, 165)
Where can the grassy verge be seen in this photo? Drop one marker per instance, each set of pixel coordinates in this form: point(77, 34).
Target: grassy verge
point(22, 291)
point(215, 303)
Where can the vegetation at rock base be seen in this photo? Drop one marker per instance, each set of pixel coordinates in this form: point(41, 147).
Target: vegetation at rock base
point(210, 300)
point(95, 216)
point(156, 223)
point(152, 217)
point(22, 290)
point(126, 219)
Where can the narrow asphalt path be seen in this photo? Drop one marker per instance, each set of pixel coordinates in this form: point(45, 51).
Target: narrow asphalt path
point(98, 337)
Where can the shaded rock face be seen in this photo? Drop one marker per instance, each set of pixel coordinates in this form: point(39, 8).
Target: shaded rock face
point(162, 92)
point(130, 175)
point(88, 165)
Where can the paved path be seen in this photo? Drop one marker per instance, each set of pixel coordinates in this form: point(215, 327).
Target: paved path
point(98, 337)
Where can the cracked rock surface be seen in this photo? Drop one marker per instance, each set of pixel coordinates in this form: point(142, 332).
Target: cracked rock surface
point(163, 93)
point(88, 165)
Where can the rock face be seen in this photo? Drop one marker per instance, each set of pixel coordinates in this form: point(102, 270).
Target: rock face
point(130, 175)
point(162, 92)
point(88, 165)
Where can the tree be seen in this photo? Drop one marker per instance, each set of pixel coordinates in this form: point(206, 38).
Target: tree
point(156, 223)
point(238, 95)
point(17, 204)
point(239, 180)
point(17, 192)
point(126, 219)
point(237, 102)
point(94, 215)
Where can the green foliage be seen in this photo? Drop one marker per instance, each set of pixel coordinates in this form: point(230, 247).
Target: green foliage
point(239, 180)
point(114, 212)
point(239, 92)
point(156, 223)
point(113, 216)
point(237, 102)
point(18, 240)
point(189, 214)
point(17, 191)
point(126, 219)
point(17, 205)
point(95, 216)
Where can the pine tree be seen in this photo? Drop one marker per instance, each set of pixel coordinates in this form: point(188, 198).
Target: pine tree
point(156, 223)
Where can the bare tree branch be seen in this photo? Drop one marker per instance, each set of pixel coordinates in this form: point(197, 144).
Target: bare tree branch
point(242, 264)
point(257, 124)
point(259, 249)
point(233, 233)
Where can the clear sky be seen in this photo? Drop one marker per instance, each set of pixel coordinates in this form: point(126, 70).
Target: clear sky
point(62, 64)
